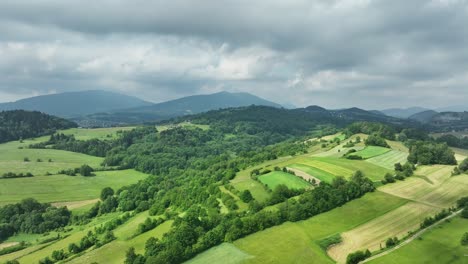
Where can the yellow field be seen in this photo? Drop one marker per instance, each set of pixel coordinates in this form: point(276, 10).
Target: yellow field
point(373, 234)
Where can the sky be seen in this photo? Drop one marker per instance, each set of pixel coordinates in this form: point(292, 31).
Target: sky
point(333, 53)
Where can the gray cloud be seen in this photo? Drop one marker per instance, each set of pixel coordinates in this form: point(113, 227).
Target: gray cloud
point(366, 53)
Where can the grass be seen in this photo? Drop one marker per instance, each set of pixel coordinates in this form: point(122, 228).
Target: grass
point(371, 151)
point(228, 253)
point(439, 245)
point(98, 133)
point(440, 189)
point(315, 172)
point(275, 178)
point(62, 188)
point(12, 159)
point(298, 242)
point(114, 252)
point(373, 234)
point(389, 159)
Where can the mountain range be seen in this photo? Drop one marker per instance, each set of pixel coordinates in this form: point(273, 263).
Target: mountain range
point(74, 104)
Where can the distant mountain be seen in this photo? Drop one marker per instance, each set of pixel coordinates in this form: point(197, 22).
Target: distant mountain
point(403, 112)
point(73, 104)
point(454, 108)
point(174, 108)
point(423, 117)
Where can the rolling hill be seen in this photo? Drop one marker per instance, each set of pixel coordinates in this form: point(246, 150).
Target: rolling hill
point(73, 104)
point(180, 107)
point(403, 112)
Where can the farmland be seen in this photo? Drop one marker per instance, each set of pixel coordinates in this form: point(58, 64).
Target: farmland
point(275, 178)
point(439, 245)
point(371, 151)
point(13, 154)
point(389, 159)
point(63, 188)
point(298, 241)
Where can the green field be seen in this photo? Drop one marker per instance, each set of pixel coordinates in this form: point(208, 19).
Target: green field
point(228, 253)
point(92, 133)
point(373, 234)
point(297, 242)
point(439, 245)
point(314, 172)
point(389, 159)
point(62, 188)
point(276, 178)
point(371, 151)
point(12, 156)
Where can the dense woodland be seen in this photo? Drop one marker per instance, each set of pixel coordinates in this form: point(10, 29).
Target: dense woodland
point(19, 124)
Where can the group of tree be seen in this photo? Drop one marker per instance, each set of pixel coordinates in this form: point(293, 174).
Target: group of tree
point(454, 141)
point(11, 175)
point(19, 124)
point(94, 147)
point(461, 168)
point(84, 170)
point(462, 203)
point(358, 256)
point(371, 128)
point(198, 231)
point(376, 140)
point(30, 216)
point(427, 152)
point(401, 173)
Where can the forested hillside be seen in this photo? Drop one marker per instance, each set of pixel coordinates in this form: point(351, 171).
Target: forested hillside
point(19, 124)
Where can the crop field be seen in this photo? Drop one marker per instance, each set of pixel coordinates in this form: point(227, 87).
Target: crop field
point(373, 234)
point(371, 151)
point(437, 188)
point(314, 172)
point(228, 253)
point(98, 133)
point(63, 188)
point(297, 242)
point(276, 178)
point(389, 159)
point(439, 245)
point(12, 159)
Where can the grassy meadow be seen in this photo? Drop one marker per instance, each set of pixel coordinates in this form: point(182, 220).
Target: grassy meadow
point(371, 151)
point(63, 188)
point(276, 178)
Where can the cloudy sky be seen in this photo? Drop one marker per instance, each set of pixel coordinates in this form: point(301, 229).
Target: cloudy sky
point(367, 53)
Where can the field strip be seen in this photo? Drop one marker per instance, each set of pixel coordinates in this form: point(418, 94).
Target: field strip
point(304, 175)
point(373, 234)
point(389, 159)
point(409, 240)
point(8, 244)
point(75, 204)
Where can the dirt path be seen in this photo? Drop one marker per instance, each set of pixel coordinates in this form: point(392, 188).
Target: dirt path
point(409, 240)
point(75, 204)
point(303, 175)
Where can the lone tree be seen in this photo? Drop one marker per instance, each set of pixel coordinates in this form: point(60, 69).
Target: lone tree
point(106, 192)
point(86, 170)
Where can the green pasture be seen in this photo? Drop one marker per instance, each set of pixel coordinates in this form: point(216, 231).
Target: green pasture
point(275, 178)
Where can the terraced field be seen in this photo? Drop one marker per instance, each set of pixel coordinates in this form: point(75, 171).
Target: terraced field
point(373, 234)
point(63, 188)
point(275, 178)
point(371, 151)
point(439, 245)
point(389, 159)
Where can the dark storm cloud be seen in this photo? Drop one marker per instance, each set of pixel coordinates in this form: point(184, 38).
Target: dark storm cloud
point(335, 53)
